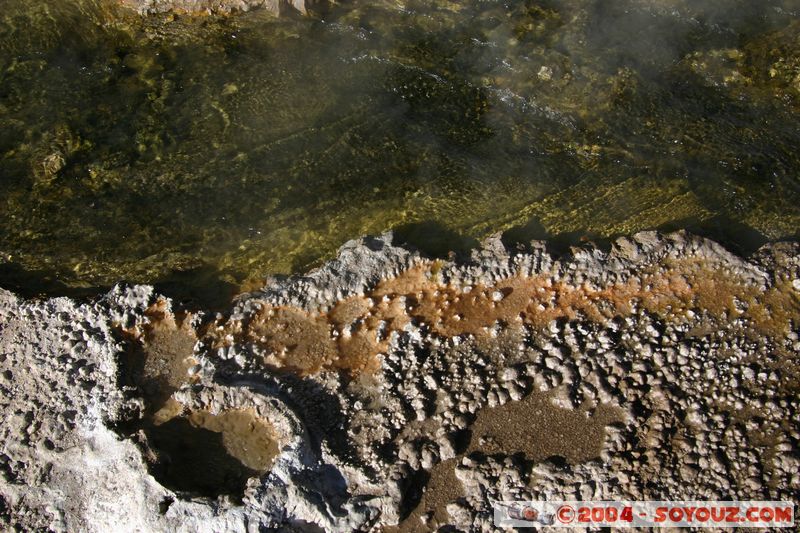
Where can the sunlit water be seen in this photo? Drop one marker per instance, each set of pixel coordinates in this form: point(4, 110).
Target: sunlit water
point(203, 152)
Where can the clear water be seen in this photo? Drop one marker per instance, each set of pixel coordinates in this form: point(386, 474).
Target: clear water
point(203, 152)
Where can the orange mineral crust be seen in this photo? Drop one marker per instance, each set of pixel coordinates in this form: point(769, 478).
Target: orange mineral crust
point(354, 331)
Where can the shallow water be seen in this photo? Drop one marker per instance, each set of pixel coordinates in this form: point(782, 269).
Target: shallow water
point(209, 152)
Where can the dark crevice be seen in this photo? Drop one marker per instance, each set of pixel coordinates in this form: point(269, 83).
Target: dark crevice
point(190, 460)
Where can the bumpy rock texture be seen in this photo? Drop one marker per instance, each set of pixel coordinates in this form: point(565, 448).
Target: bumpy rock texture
point(220, 6)
point(387, 389)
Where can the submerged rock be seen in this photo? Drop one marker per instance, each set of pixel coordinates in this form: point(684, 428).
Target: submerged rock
point(386, 388)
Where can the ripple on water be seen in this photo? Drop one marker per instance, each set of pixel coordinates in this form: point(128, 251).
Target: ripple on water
point(197, 151)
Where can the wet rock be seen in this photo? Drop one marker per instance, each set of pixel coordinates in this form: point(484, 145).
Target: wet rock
point(103, 400)
point(276, 7)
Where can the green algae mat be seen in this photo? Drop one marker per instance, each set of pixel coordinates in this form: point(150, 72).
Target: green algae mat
point(208, 152)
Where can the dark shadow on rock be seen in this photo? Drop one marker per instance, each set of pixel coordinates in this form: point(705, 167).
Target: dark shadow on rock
point(132, 375)
point(198, 288)
point(561, 244)
point(182, 457)
point(5, 515)
point(433, 239)
point(319, 410)
point(320, 413)
point(413, 489)
point(301, 526)
point(319, 8)
point(461, 440)
point(164, 504)
point(558, 461)
point(521, 236)
point(732, 234)
point(374, 243)
point(40, 284)
point(193, 460)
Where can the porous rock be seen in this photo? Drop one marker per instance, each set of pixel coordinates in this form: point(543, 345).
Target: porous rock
point(662, 403)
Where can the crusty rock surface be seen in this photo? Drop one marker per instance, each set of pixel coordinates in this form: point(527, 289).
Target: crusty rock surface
point(219, 6)
point(690, 353)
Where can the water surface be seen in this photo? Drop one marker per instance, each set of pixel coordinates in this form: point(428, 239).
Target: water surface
point(206, 152)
